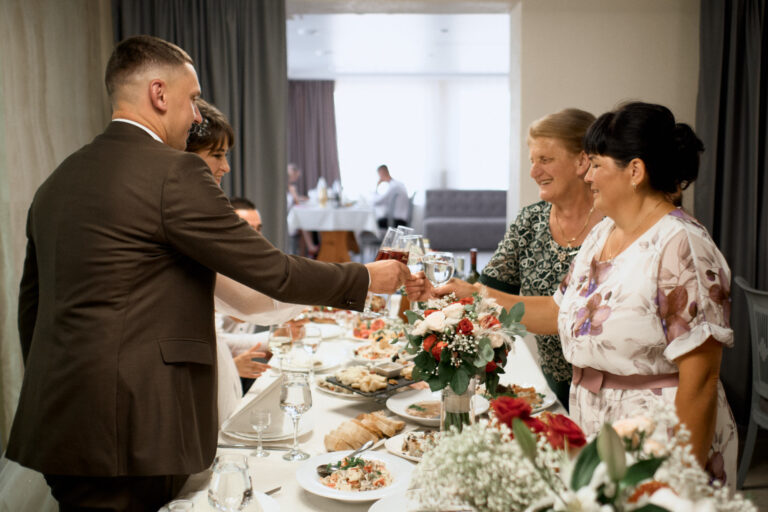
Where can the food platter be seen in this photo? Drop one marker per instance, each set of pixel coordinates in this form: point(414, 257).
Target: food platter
point(400, 403)
point(400, 470)
point(392, 385)
point(394, 444)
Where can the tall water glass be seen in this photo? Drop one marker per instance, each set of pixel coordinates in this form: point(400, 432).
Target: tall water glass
point(295, 400)
point(438, 267)
point(230, 489)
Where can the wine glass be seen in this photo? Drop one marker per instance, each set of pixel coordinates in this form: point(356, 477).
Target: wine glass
point(281, 339)
point(310, 342)
point(438, 267)
point(390, 237)
point(413, 246)
point(260, 420)
point(230, 489)
point(295, 399)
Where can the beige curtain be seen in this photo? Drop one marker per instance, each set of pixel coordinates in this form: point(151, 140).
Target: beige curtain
point(52, 101)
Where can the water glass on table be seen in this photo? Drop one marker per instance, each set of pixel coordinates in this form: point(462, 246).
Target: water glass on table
point(295, 400)
point(230, 489)
point(260, 420)
point(438, 267)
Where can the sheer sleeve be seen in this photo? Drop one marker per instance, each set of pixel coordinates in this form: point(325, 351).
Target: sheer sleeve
point(235, 299)
point(693, 293)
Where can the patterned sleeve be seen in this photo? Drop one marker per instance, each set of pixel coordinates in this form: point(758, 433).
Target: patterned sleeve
point(503, 270)
point(693, 293)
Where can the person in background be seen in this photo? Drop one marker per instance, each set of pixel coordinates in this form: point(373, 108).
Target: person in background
point(391, 200)
point(643, 313)
point(124, 240)
point(247, 211)
point(540, 244)
point(302, 242)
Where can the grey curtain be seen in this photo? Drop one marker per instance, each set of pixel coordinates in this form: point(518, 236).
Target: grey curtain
point(312, 131)
point(732, 189)
point(239, 49)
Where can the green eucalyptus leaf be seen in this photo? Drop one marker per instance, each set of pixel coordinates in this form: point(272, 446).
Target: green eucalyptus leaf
point(524, 438)
point(460, 380)
point(486, 351)
point(610, 448)
point(419, 374)
point(412, 316)
point(426, 361)
point(517, 312)
point(642, 470)
point(491, 383)
point(586, 463)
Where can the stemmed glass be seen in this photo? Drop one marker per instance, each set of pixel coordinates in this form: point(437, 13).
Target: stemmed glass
point(230, 489)
point(260, 420)
point(281, 339)
point(310, 342)
point(413, 246)
point(181, 505)
point(295, 399)
point(438, 267)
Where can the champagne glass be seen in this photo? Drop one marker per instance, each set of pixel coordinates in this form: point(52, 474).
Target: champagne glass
point(438, 267)
point(413, 246)
point(295, 400)
point(260, 420)
point(281, 339)
point(230, 489)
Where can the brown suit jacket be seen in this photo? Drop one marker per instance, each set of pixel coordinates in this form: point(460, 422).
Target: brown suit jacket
point(116, 308)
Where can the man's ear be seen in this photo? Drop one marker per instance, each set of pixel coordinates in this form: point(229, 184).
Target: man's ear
point(158, 94)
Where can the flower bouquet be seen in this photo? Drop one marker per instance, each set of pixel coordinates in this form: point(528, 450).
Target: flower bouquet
point(457, 341)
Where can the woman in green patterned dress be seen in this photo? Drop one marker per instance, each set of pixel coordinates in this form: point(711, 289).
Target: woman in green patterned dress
point(538, 247)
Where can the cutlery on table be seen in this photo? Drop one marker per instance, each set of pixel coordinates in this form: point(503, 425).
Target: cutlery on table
point(250, 446)
point(326, 469)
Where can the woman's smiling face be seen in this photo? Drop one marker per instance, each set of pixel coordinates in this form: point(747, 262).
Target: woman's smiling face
point(609, 182)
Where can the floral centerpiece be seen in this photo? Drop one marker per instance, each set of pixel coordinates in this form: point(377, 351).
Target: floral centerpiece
point(457, 341)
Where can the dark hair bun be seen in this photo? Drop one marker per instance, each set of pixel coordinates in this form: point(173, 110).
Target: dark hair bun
point(646, 131)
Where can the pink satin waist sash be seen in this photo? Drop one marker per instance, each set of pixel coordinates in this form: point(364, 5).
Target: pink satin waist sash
point(594, 380)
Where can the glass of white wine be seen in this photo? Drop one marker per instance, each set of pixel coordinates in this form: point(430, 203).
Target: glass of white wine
point(438, 267)
point(282, 338)
point(295, 400)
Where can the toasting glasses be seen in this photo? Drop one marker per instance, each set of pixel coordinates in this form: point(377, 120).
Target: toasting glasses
point(391, 248)
point(438, 267)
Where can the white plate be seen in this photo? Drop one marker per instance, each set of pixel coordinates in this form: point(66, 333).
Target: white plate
point(268, 504)
point(400, 470)
point(546, 402)
point(305, 425)
point(298, 360)
point(399, 403)
point(397, 501)
point(347, 396)
point(394, 445)
point(328, 331)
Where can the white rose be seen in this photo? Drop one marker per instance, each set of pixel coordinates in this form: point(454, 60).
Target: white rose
point(630, 428)
point(419, 328)
point(435, 321)
point(497, 339)
point(454, 311)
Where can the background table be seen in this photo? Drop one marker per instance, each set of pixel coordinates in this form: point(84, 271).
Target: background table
point(336, 227)
point(327, 413)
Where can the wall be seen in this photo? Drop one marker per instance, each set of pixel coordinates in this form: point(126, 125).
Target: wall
point(52, 101)
point(593, 54)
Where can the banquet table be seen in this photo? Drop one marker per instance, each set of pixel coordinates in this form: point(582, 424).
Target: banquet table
point(336, 226)
point(326, 414)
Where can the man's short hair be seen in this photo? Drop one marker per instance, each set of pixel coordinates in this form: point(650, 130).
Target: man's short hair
point(384, 167)
point(241, 203)
point(212, 132)
point(135, 53)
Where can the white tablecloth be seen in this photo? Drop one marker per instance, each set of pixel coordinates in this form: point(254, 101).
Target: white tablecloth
point(326, 414)
point(317, 218)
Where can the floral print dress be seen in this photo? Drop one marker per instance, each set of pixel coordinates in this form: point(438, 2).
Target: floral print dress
point(662, 297)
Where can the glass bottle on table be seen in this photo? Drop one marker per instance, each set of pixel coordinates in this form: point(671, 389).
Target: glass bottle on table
point(473, 275)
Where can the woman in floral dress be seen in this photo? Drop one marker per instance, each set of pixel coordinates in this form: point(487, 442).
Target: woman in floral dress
point(643, 313)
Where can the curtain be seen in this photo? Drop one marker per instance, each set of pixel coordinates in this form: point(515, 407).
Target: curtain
point(312, 132)
point(732, 189)
point(239, 49)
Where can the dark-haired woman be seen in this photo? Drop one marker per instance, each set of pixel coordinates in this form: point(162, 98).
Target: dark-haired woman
point(643, 313)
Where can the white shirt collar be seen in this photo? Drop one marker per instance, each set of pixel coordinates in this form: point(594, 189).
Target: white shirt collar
point(134, 123)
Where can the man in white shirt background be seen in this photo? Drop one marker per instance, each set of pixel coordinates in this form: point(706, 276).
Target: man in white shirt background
point(391, 200)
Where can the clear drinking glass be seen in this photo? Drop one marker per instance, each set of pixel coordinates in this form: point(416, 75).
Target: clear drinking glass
point(413, 246)
point(179, 506)
point(311, 342)
point(260, 420)
point(230, 489)
point(295, 400)
point(281, 339)
point(438, 267)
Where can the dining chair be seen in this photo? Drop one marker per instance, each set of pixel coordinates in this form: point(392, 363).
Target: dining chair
point(757, 306)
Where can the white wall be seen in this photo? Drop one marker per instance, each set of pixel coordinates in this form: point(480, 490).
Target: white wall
point(594, 54)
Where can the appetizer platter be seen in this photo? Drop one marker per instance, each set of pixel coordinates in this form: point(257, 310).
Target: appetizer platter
point(412, 445)
point(378, 475)
point(367, 382)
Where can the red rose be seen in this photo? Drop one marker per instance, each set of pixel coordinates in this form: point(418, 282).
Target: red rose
point(561, 428)
point(437, 349)
point(429, 342)
point(489, 321)
point(465, 326)
point(535, 425)
point(506, 408)
point(429, 312)
point(467, 300)
point(490, 367)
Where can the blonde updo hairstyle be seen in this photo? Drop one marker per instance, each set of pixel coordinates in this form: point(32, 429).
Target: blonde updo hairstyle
point(568, 126)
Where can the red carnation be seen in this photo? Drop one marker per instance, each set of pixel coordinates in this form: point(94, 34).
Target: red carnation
point(437, 349)
point(467, 300)
point(429, 312)
point(489, 321)
point(490, 367)
point(429, 342)
point(561, 428)
point(465, 326)
point(506, 408)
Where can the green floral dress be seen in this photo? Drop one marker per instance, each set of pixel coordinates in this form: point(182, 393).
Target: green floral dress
point(528, 261)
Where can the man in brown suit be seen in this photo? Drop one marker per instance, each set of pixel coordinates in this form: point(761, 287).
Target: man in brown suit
point(118, 403)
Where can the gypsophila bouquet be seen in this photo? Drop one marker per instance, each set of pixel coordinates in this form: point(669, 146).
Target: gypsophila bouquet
point(632, 465)
point(456, 340)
